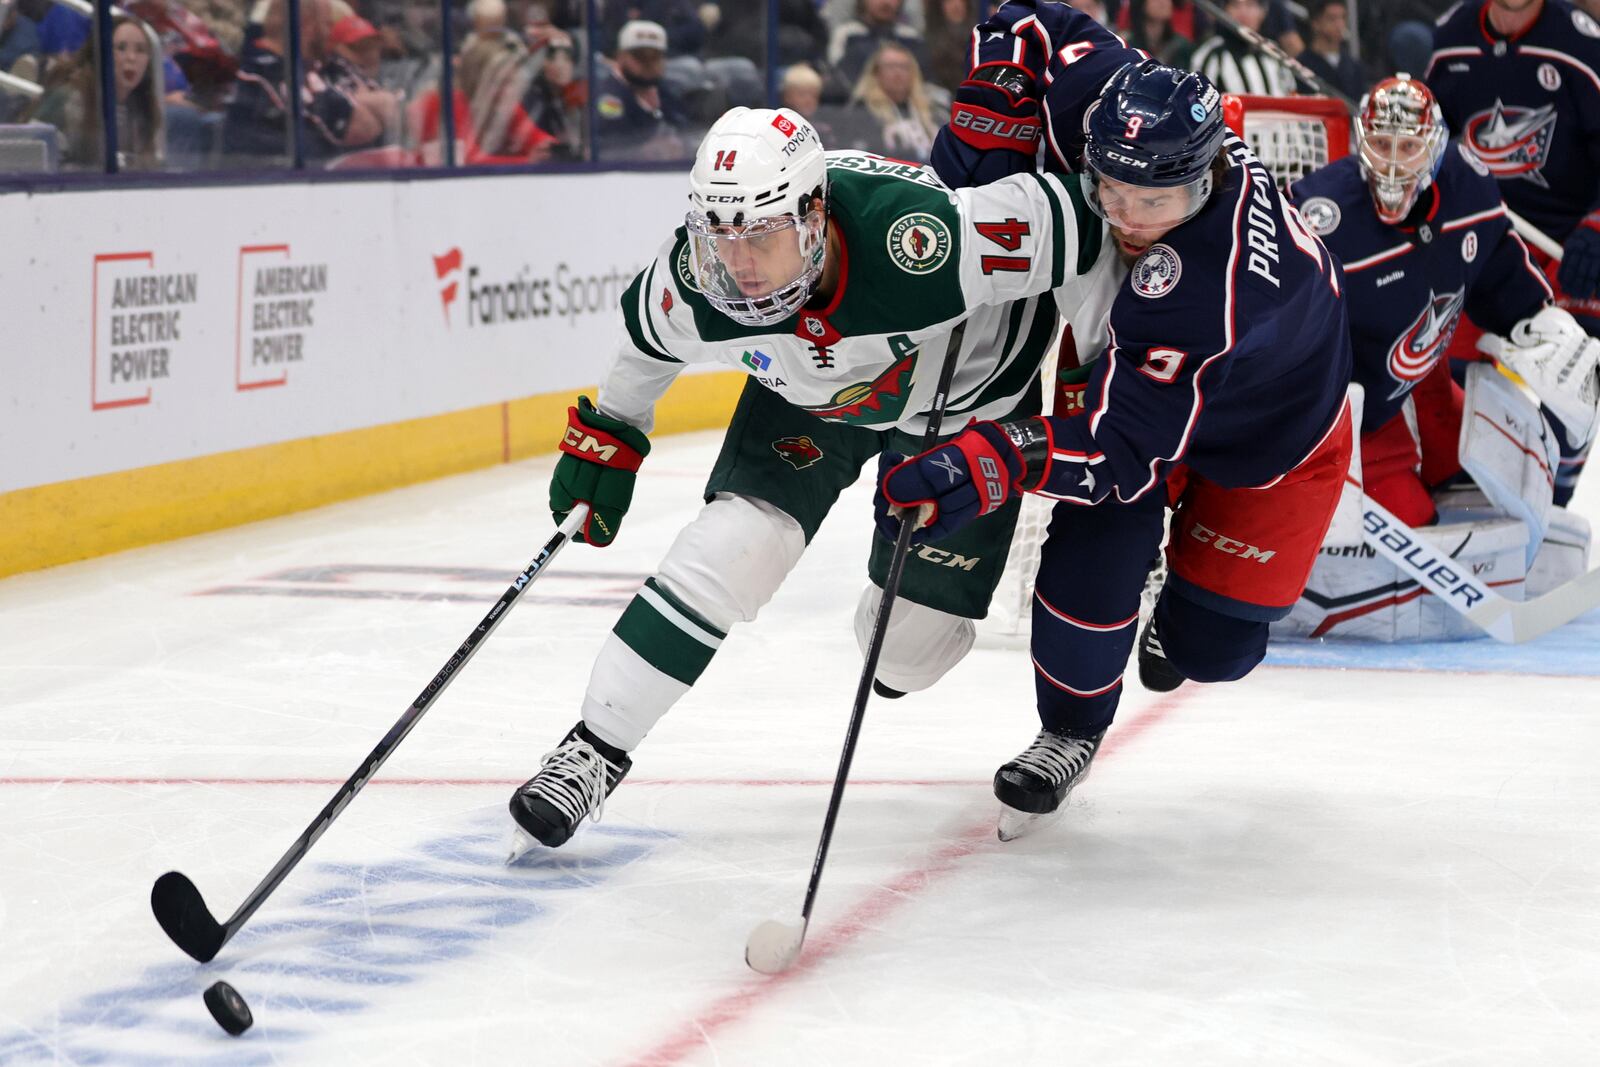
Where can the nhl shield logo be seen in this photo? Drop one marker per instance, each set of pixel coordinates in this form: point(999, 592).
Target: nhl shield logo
point(919, 243)
point(798, 452)
point(1156, 273)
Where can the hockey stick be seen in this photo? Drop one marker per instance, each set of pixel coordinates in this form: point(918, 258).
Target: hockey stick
point(1535, 236)
point(1271, 50)
point(773, 947)
point(176, 902)
point(1509, 621)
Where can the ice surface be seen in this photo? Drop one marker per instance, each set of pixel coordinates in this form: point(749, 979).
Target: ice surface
point(1355, 856)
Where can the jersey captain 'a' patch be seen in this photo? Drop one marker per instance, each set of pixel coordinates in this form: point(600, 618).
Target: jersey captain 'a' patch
point(1419, 347)
point(1513, 142)
point(919, 242)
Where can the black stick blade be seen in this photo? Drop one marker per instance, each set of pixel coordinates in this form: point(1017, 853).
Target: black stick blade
point(184, 916)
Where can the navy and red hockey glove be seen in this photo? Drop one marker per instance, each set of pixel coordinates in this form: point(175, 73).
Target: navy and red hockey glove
point(971, 475)
point(994, 127)
point(1579, 273)
point(599, 462)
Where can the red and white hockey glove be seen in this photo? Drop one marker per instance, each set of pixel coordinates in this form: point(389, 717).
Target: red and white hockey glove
point(599, 462)
point(971, 475)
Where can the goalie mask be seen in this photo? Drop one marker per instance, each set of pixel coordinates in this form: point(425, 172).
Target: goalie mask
point(1400, 140)
point(757, 226)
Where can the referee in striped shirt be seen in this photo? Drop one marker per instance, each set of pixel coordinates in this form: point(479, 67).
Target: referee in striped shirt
point(1232, 66)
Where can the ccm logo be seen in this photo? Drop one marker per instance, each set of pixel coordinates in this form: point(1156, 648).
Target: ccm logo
point(1230, 546)
point(720, 199)
point(1021, 132)
point(1127, 161)
point(581, 443)
point(948, 559)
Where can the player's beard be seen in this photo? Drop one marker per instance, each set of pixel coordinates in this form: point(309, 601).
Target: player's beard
point(1123, 241)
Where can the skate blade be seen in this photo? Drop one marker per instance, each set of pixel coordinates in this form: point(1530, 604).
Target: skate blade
point(522, 843)
point(1014, 824)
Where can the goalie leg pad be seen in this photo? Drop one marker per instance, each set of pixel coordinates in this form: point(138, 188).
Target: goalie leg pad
point(1509, 450)
point(921, 644)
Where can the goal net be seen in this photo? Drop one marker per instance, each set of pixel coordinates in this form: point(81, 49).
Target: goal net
point(1292, 135)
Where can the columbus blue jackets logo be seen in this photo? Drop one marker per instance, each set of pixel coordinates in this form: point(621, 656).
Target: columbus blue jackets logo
point(1513, 142)
point(1415, 351)
point(1322, 215)
point(798, 452)
point(919, 242)
point(1156, 273)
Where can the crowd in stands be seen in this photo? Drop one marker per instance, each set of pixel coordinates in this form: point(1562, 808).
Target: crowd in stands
point(203, 84)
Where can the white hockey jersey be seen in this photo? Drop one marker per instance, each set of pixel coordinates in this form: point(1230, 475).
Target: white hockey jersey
point(918, 258)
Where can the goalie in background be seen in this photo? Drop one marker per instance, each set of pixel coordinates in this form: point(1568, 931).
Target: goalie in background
point(1419, 223)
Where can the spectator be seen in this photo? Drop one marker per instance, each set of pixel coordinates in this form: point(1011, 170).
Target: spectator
point(949, 39)
point(1151, 27)
point(891, 94)
point(255, 127)
point(1328, 55)
point(801, 91)
point(538, 30)
point(637, 116)
point(492, 126)
point(488, 19)
point(857, 41)
point(20, 53)
point(358, 48)
point(72, 102)
point(555, 100)
point(740, 29)
point(1229, 62)
point(838, 12)
point(678, 19)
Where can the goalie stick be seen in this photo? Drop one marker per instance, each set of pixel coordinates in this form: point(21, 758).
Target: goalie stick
point(1509, 621)
point(773, 947)
point(177, 903)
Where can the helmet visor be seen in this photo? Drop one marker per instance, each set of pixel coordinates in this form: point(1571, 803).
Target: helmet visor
point(1398, 164)
point(1140, 211)
point(759, 272)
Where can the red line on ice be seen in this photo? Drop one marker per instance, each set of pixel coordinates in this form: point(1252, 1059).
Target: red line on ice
point(503, 782)
point(879, 903)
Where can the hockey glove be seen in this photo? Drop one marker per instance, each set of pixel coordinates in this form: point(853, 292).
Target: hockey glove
point(1579, 273)
point(994, 127)
point(599, 461)
point(1559, 362)
point(972, 474)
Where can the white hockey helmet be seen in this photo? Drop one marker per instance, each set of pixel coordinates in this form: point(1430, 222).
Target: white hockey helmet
point(757, 223)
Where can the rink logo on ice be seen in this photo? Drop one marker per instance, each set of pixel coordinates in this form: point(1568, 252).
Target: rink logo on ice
point(357, 933)
point(137, 326)
point(277, 303)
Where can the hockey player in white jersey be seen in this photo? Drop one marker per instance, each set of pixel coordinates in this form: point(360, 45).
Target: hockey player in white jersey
point(835, 282)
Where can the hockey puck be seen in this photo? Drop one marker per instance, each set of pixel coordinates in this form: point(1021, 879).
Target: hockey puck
point(228, 1008)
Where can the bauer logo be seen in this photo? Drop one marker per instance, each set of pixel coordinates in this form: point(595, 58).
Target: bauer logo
point(919, 243)
point(1156, 273)
point(137, 328)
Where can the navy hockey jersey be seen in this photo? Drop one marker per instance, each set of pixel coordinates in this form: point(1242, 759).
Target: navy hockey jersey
point(1406, 287)
point(1229, 352)
point(1529, 107)
point(1070, 54)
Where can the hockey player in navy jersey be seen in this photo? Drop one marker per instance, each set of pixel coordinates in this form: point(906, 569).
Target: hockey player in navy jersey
point(1421, 229)
point(1519, 83)
point(1222, 394)
point(1025, 52)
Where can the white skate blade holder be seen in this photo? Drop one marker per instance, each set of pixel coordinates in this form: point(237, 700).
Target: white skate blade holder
point(773, 947)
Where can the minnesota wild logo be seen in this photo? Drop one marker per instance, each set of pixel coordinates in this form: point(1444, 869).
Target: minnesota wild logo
point(880, 400)
point(919, 243)
point(798, 452)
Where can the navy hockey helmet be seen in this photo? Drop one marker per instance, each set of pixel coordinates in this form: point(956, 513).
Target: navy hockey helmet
point(1154, 126)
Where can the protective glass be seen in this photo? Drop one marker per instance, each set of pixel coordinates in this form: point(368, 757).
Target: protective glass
point(1143, 209)
point(760, 272)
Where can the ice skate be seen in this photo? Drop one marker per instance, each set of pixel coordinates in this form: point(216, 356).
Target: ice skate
point(573, 783)
point(1033, 788)
point(1155, 672)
